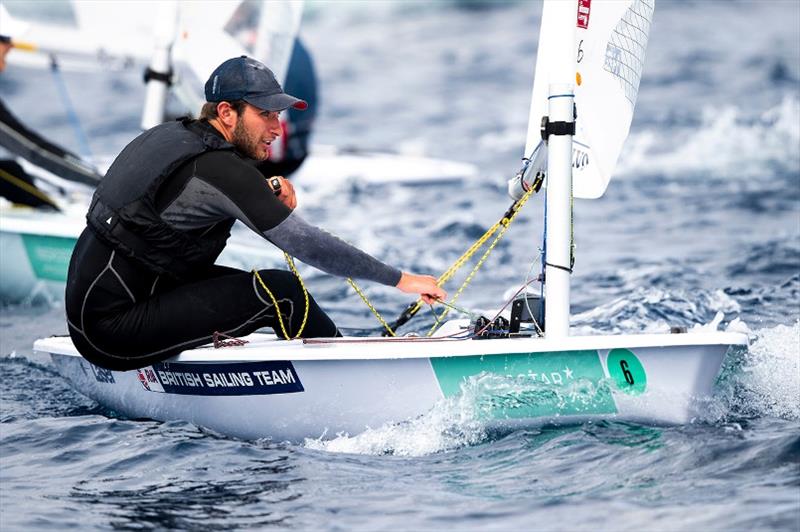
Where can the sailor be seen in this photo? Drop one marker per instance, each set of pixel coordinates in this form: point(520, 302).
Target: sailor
point(301, 81)
point(15, 184)
point(142, 284)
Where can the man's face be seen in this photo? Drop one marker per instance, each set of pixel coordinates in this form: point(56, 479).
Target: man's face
point(254, 132)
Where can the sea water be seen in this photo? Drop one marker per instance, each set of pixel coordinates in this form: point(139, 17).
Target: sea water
point(701, 225)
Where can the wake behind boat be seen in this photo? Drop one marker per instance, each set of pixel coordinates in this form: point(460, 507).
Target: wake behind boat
point(511, 377)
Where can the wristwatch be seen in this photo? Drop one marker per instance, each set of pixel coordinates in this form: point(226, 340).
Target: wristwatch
point(275, 184)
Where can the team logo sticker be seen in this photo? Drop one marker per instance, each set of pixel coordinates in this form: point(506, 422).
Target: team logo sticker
point(584, 7)
point(244, 378)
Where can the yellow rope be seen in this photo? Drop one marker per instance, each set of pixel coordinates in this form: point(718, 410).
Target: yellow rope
point(290, 262)
point(372, 308)
point(506, 222)
point(27, 187)
point(24, 46)
point(448, 274)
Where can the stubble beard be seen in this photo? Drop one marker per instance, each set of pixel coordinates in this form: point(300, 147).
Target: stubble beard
point(247, 144)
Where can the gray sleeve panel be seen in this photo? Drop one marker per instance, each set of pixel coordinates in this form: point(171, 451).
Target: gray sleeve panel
point(201, 204)
point(330, 254)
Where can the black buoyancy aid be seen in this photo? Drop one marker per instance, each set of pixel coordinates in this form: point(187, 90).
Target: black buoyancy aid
point(123, 211)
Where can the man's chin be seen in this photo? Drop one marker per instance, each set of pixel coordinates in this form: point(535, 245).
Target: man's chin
point(258, 155)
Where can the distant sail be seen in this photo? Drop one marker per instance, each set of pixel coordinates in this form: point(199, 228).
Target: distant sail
point(26, 143)
point(610, 43)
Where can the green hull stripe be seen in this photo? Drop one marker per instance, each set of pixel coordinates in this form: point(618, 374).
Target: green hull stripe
point(49, 256)
point(525, 385)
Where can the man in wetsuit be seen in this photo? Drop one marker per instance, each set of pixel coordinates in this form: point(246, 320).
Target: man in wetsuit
point(15, 184)
point(142, 283)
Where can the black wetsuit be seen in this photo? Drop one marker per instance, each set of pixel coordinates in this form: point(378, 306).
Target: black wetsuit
point(123, 315)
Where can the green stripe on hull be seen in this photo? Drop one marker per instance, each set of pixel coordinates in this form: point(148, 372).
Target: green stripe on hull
point(49, 256)
point(526, 385)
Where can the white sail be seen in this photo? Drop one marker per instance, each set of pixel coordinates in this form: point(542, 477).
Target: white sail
point(610, 42)
point(278, 26)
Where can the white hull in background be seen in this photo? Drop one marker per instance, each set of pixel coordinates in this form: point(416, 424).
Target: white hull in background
point(330, 165)
point(294, 390)
point(36, 246)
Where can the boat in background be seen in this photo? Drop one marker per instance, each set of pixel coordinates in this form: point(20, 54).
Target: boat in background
point(36, 247)
point(509, 378)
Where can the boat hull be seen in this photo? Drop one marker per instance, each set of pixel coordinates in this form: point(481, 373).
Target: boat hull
point(33, 265)
point(291, 390)
point(36, 247)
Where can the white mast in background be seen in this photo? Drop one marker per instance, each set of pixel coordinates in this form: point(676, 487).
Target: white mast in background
point(160, 69)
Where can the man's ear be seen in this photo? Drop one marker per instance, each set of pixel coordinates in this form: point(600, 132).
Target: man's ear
point(227, 114)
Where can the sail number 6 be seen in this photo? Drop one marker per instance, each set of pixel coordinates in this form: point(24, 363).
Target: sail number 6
point(627, 371)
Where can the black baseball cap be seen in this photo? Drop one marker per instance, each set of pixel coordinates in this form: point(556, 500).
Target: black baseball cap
point(244, 78)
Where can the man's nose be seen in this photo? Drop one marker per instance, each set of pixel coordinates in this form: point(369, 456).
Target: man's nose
point(275, 127)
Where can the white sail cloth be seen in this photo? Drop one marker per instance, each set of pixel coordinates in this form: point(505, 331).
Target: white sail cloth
point(610, 42)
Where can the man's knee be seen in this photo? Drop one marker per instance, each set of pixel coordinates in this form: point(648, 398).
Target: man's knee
point(280, 283)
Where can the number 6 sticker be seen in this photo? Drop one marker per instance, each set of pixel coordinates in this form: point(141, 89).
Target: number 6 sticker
point(627, 371)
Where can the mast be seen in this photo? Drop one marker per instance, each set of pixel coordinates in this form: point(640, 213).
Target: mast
point(559, 170)
point(158, 75)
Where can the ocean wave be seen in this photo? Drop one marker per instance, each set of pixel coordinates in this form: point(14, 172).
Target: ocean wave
point(451, 424)
point(728, 143)
point(461, 421)
point(764, 380)
point(651, 310)
point(780, 256)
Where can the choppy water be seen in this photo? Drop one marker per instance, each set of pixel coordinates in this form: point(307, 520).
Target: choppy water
point(704, 218)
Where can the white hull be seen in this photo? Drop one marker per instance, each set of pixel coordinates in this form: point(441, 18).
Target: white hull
point(295, 390)
point(331, 166)
point(36, 247)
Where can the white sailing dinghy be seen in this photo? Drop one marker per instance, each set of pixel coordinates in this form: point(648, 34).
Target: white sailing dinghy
point(290, 390)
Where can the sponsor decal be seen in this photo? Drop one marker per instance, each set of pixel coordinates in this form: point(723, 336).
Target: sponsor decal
point(49, 256)
point(580, 158)
point(147, 377)
point(102, 375)
point(584, 6)
point(613, 60)
point(627, 371)
point(526, 385)
point(243, 378)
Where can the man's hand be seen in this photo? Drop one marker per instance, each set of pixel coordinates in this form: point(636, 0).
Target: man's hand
point(424, 285)
point(284, 189)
